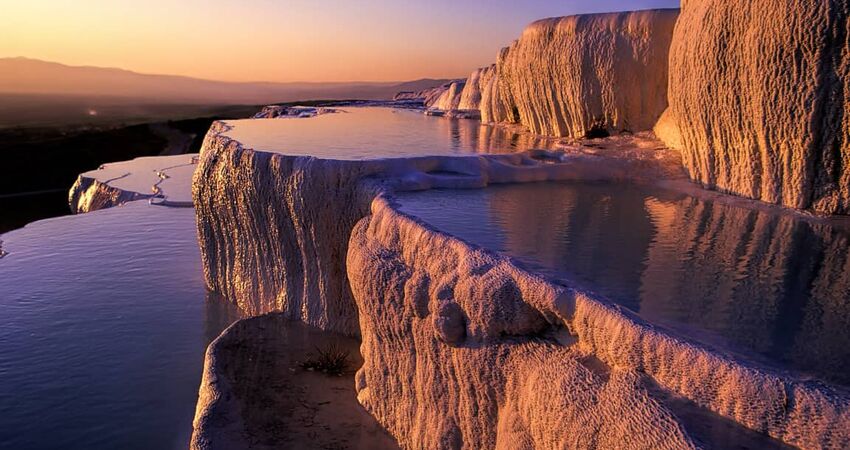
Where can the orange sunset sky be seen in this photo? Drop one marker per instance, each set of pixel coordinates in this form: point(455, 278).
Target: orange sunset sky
point(287, 40)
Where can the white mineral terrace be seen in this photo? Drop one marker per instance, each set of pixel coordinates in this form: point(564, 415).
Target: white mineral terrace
point(164, 180)
point(502, 357)
point(357, 133)
point(462, 347)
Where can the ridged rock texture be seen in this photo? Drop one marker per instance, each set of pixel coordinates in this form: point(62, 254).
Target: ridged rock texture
point(165, 180)
point(449, 100)
point(88, 194)
point(470, 362)
point(273, 229)
point(427, 96)
point(470, 97)
point(463, 334)
point(759, 99)
point(476, 374)
point(569, 76)
point(267, 243)
point(491, 105)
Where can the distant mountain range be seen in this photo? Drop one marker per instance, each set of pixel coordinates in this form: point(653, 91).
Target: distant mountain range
point(30, 76)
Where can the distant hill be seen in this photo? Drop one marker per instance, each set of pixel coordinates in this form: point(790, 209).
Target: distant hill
point(30, 76)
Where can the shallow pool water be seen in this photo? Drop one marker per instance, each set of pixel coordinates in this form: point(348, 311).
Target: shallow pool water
point(770, 287)
point(104, 327)
point(356, 133)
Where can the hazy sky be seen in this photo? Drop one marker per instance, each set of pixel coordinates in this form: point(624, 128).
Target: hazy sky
point(282, 40)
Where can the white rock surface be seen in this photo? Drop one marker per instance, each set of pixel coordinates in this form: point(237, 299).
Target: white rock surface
point(470, 96)
point(451, 334)
point(274, 228)
point(301, 112)
point(758, 99)
point(567, 76)
point(474, 374)
point(166, 180)
point(491, 106)
point(449, 100)
point(460, 101)
point(406, 276)
point(428, 96)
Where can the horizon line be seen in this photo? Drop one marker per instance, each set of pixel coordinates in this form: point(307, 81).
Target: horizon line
point(189, 77)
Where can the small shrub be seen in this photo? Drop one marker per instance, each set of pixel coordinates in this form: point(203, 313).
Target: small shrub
point(331, 359)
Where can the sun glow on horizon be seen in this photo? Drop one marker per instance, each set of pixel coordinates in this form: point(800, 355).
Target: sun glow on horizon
point(295, 40)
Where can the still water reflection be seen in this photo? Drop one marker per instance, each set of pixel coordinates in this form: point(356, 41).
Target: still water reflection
point(769, 286)
point(104, 326)
point(374, 132)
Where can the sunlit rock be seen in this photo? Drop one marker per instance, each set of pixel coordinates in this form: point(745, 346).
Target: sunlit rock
point(428, 97)
point(499, 360)
point(458, 343)
point(758, 101)
point(165, 180)
point(500, 387)
point(278, 111)
point(470, 96)
point(450, 99)
point(570, 76)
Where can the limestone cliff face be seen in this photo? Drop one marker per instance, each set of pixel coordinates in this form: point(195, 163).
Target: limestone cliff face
point(491, 105)
point(266, 242)
point(274, 228)
point(483, 378)
point(569, 75)
point(470, 97)
point(449, 100)
point(89, 194)
point(427, 96)
point(479, 376)
point(758, 99)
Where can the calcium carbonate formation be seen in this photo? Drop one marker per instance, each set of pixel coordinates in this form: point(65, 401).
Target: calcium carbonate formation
point(462, 347)
point(459, 343)
point(571, 76)
point(757, 103)
point(760, 100)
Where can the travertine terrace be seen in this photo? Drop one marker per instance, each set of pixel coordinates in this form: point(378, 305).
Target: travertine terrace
point(335, 254)
point(450, 99)
point(758, 109)
point(463, 348)
point(760, 102)
point(162, 179)
point(569, 76)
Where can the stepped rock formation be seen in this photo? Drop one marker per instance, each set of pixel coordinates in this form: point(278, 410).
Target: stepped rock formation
point(458, 343)
point(450, 99)
point(470, 97)
point(289, 257)
point(163, 180)
point(428, 96)
point(490, 104)
point(758, 102)
point(419, 291)
point(476, 375)
point(463, 348)
point(568, 76)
